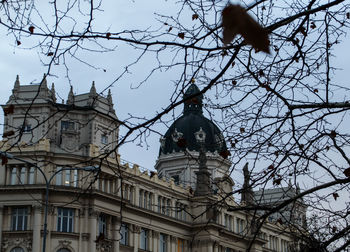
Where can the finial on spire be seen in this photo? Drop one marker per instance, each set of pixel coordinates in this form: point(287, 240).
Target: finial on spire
point(109, 97)
point(70, 99)
point(93, 89)
point(43, 84)
point(53, 92)
point(16, 86)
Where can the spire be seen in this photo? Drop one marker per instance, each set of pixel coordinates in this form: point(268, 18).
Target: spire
point(93, 89)
point(110, 101)
point(16, 86)
point(92, 95)
point(53, 92)
point(195, 104)
point(109, 97)
point(43, 90)
point(70, 99)
point(44, 82)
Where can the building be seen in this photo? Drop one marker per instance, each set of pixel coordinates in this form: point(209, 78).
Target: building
point(184, 206)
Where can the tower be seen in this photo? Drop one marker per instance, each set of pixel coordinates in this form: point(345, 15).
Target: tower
point(179, 152)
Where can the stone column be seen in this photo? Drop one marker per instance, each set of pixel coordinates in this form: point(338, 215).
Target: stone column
point(36, 228)
point(115, 234)
point(155, 241)
point(92, 227)
point(173, 243)
point(3, 174)
point(216, 247)
point(137, 230)
point(210, 246)
point(1, 221)
point(137, 195)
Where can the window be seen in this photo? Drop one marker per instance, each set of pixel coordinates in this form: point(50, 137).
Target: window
point(66, 125)
point(26, 128)
point(180, 245)
point(67, 178)
point(140, 198)
point(22, 177)
point(13, 176)
point(75, 178)
point(162, 243)
point(59, 176)
point(102, 224)
point(239, 226)
point(150, 201)
point(104, 139)
point(31, 175)
point(19, 218)
point(176, 179)
point(144, 239)
point(124, 234)
point(65, 219)
point(17, 249)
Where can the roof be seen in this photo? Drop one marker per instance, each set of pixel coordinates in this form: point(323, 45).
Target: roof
point(181, 134)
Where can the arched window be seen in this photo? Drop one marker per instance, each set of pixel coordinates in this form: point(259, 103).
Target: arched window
point(17, 249)
point(63, 250)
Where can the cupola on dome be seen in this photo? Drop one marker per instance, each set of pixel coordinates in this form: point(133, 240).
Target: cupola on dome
point(181, 134)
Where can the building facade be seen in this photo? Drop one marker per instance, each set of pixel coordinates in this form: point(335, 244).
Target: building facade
point(47, 146)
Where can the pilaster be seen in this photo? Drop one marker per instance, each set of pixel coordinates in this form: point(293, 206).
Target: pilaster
point(36, 228)
point(92, 227)
point(137, 230)
point(1, 221)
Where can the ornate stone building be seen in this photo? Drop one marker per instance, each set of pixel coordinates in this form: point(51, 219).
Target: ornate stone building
point(116, 206)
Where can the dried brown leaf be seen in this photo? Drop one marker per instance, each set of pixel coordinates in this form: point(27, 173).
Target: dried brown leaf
point(235, 20)
point(181, 35)
point(8, 133)
point(194, 16)
point(335, 196)
point(31, 29)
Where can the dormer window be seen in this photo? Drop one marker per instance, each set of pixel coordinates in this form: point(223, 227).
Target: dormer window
point(104, 139)
point(26, 128)
point(67, 125)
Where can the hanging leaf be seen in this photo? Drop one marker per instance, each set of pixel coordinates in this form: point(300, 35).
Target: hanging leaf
point(347, 172)
point(170, 28)
point(181, 35)
point(312, 25)
point(348, 15)
point(194, 16)
point(235, 20)
point(277, 181)
point(50, 54)
point(234, 82)
point(108, 35)
point(261, 73)
point(18, 42)
point(242, 130)
point(8, 133)
point(31, 29)
point(303, 31)
point(224, 154)
point(335, 196)
point(333, 134)
point(271, 167)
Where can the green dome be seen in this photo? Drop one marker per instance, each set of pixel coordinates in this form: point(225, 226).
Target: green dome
point(181, 134)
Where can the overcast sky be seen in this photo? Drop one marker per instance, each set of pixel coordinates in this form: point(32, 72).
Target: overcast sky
point(142, 101)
